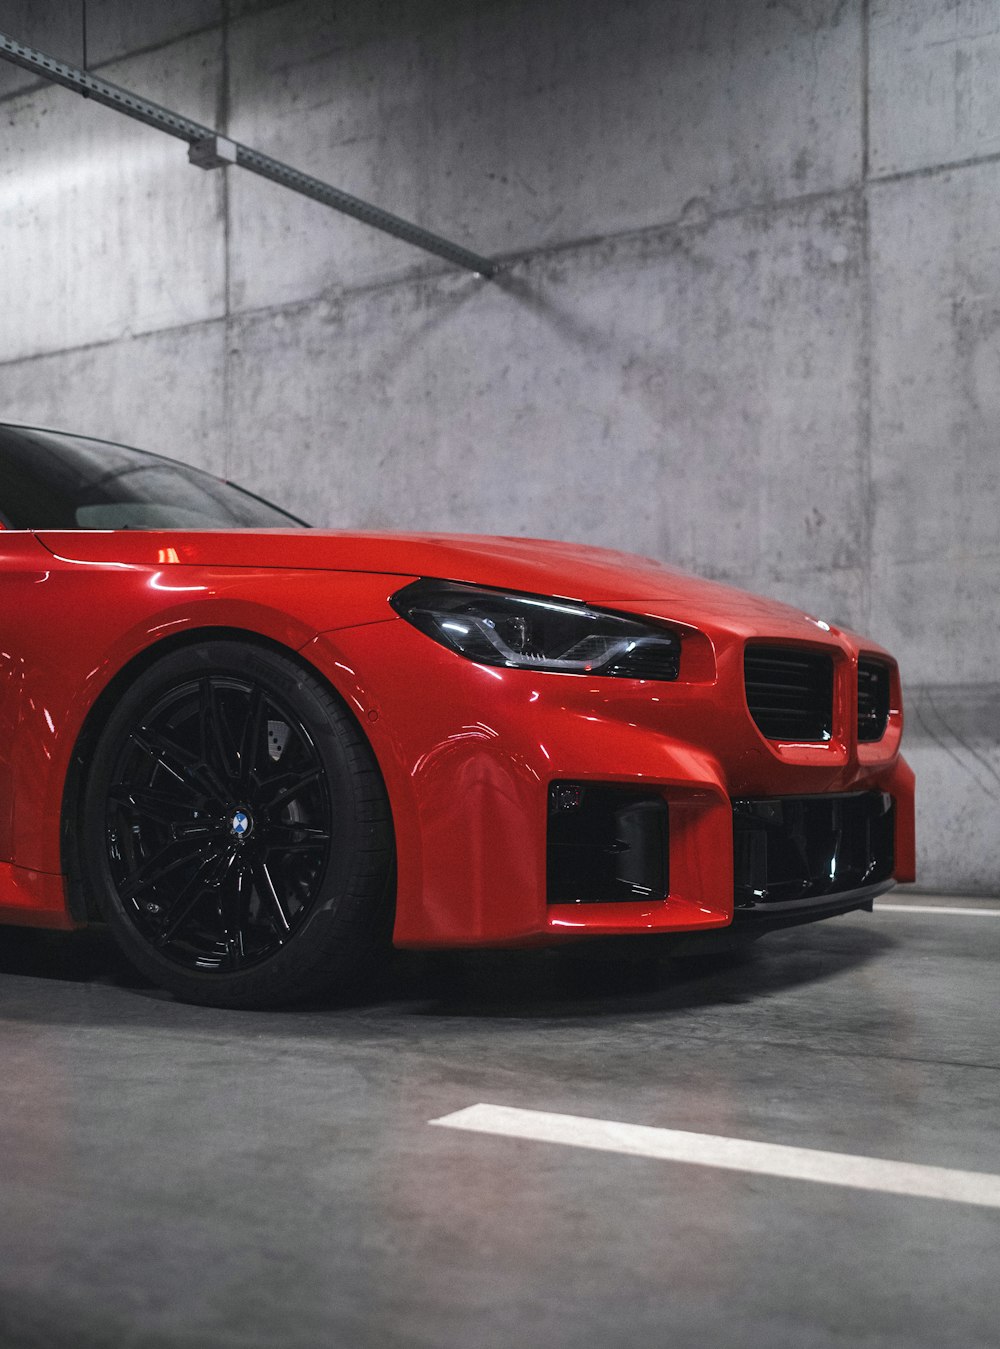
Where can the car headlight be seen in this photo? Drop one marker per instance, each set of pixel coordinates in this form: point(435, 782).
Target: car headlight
point(532, 632)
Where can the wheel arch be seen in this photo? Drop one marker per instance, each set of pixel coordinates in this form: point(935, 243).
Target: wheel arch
point(81, 908)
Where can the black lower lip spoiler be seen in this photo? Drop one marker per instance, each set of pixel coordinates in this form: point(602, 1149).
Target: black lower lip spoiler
point(750, 923)
point(761, 918)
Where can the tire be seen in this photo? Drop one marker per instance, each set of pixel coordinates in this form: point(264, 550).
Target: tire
point(236, 830)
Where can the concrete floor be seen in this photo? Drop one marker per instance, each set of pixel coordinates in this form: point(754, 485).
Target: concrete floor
point(180, 1177)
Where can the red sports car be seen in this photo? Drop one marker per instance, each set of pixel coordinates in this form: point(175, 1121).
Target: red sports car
point(257, 751)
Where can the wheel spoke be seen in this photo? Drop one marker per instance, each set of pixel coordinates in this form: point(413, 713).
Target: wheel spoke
point(286, 838)
point(186, 899)
point(235, 907)
point(288, 787)
point(203, 829)
point(266, 889)
point(194, 771)
point(252, 738)
point(214, 747)
point(166, 807)
point(177, 853)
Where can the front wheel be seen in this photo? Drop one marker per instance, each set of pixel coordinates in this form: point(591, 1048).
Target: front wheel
point(236, 830)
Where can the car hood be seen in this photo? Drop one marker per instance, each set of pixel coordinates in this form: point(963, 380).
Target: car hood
point(572, 571)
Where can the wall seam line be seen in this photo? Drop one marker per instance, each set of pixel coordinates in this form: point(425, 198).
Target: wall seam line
point(227, 383)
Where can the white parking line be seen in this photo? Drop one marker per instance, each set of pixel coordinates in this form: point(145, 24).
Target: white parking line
point(730, 1154)
point(937, 908)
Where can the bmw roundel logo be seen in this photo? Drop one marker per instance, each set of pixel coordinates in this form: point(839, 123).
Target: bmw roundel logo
point(240, 823)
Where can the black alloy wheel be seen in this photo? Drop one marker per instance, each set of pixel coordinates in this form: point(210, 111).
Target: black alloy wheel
point(236, 829)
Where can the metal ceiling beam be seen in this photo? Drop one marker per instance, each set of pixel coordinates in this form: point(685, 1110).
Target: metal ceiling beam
point(210, 150)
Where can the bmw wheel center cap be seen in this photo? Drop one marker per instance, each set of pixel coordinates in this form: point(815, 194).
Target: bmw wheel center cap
point(240, 823)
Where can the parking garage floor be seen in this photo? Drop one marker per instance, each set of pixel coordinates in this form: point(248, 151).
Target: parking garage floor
point(177, 1176)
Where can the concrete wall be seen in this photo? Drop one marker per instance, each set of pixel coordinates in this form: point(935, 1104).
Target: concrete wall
point(752, 324)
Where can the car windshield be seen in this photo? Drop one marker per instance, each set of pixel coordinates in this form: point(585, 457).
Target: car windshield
point(54, 481)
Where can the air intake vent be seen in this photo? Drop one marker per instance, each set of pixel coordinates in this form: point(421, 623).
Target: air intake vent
point(873, 699)
point(804, 847)
point(789, 692)
point(606, 844)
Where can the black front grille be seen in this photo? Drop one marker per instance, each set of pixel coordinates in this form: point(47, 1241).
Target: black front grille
point(789, 692)
point(873, 699)
point(806, 847)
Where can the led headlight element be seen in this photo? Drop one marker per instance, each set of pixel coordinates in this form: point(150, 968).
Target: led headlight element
point(532, 632)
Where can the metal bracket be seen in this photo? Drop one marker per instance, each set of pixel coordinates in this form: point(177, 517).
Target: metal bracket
point(214, 152)
point(209, 150)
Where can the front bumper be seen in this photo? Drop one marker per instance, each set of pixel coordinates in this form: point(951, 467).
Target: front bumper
point(469, 754)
